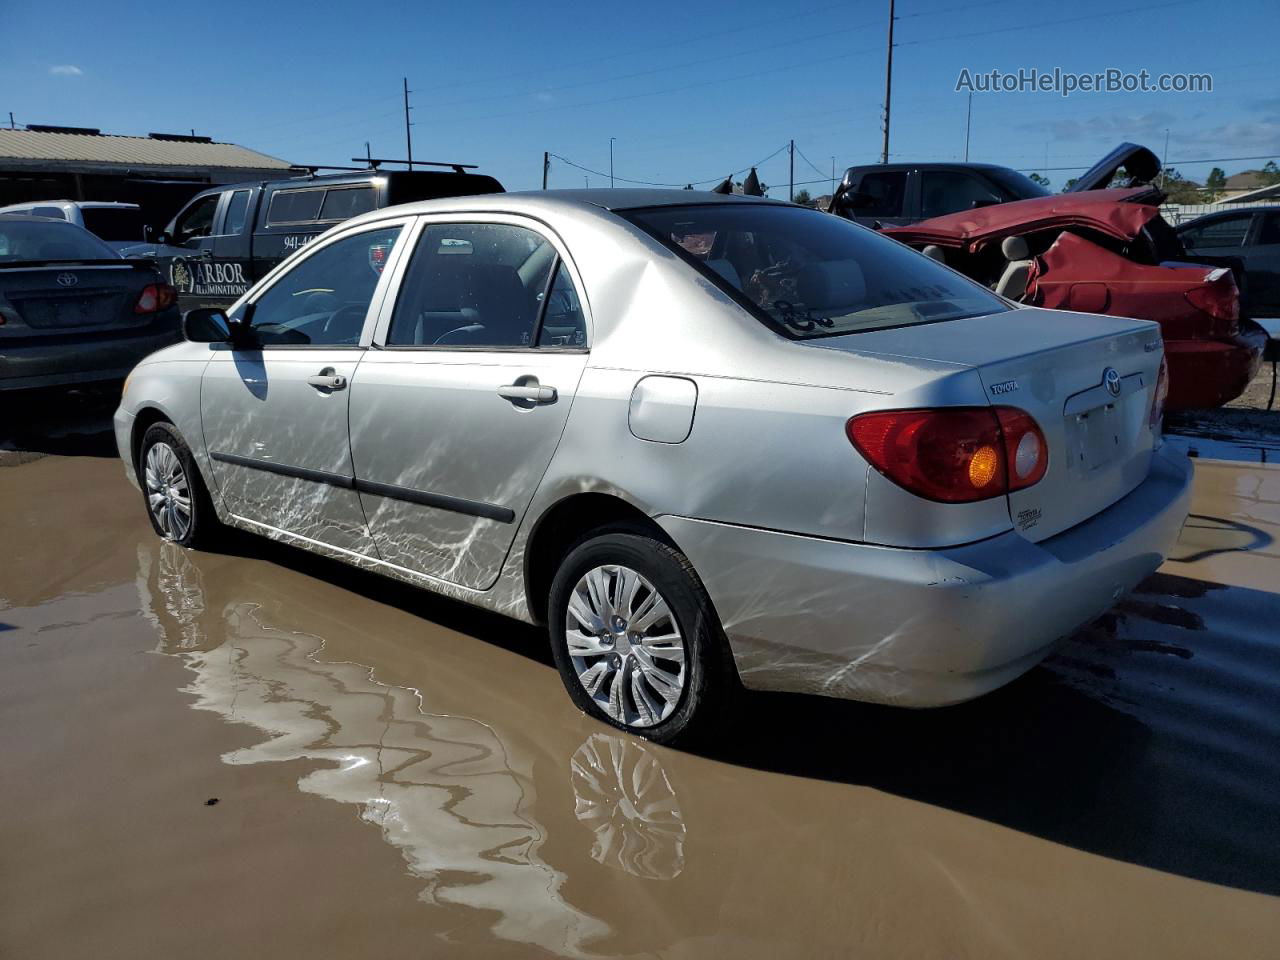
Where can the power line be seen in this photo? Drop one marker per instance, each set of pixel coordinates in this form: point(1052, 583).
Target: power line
point(811, 164)
point(1185, 163)
point(651, 183)
point(1047, 23)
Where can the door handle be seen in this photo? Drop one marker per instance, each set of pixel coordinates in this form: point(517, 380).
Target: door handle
point(530, 392)
point(326, 379)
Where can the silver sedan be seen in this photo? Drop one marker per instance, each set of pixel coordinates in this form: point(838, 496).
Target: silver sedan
point(710, 441)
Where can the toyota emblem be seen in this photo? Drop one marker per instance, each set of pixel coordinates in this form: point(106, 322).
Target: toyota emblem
point(1112, 380)
point(68, 279)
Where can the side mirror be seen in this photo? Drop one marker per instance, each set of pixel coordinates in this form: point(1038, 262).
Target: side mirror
point(207, 325)
point(162, 238)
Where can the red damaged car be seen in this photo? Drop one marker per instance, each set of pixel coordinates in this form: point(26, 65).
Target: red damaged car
point(1100, 250)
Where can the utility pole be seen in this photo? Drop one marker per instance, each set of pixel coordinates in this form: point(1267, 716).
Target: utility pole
point(11, 120)
point(791, 188)
point(833, 176)
point(968, 117)
point(546, 165)
point(888, 86)
point(1164, 163)
point(408, 137)
point(611, 139)
point(368, 154)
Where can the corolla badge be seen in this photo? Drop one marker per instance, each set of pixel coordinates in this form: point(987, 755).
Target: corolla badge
point(1112, 380)
point(68, 279)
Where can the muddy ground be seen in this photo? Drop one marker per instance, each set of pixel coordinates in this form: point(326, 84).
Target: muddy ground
point(259, 753)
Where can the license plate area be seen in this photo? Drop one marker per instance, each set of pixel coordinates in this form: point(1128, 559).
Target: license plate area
point(67, 312)
point(1095, 437)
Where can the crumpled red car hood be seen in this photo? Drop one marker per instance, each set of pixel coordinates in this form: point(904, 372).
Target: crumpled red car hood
point(1119, 213)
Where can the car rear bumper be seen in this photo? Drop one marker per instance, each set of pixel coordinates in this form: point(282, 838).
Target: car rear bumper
point(58, 361)
point(924, 628)
point(1208, 373)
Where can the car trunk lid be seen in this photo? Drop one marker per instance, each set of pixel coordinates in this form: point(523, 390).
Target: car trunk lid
point(1088, 380)
point(49, 298)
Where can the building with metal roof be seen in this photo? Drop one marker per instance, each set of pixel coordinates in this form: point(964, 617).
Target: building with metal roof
point(158, 171)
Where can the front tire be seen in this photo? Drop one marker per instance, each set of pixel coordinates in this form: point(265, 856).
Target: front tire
point(636, 639)
point(173, 491)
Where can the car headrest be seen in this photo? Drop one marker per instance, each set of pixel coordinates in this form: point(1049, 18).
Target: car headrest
point(934, 252)
point(830, 284)
point(1015, 248)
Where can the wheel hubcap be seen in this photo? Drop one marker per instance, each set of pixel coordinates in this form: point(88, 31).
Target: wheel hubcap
point(625, 645)
point(168, 492)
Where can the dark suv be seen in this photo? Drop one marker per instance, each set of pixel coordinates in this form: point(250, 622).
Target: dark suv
point(904, 193)
point(227, 238)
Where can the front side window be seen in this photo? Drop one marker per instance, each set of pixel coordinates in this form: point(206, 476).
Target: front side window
point(472, 285)
point(1270, 232)
point(237, 208)
point(324, 299)
point(948, 191)
point(1227, 232)
point(807, 274)
point(197, 220)
point(885, 194)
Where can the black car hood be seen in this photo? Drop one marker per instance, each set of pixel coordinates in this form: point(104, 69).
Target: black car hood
point(1138, 162)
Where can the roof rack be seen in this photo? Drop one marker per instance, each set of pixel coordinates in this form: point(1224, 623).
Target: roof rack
point(373, 163)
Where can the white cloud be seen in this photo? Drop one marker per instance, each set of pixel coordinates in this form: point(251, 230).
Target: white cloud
point(66, 70)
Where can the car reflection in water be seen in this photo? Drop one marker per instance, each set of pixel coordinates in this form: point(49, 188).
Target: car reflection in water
point(443, 789)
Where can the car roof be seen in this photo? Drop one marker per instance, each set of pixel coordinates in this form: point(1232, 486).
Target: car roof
point(28, 218)
point(539, 201)
point(82, 204)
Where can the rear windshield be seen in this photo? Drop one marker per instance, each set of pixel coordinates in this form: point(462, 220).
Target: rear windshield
point(809, 274)
point(31, 240)
point(113, 223)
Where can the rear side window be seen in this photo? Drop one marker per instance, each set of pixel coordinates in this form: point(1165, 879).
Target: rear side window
point(1270, 232)
point(347, 202)
point(473, 285)
point(295, 206)
point(807, 274)
point(886, 191)
point(54, 212)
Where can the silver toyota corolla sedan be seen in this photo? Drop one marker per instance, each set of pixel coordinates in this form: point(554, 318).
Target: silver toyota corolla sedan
point(709, 441)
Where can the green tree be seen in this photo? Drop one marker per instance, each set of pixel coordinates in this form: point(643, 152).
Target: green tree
point(1038, 178)
point(1178, 189)
point(1270, 173)
point(802, 197)
point(1069, 184)
point(1214, 184)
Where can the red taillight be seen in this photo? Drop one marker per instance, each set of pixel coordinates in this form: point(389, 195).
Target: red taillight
point(953, 454)
point(155, 297)
point(1160, 395)
point(1218, 297)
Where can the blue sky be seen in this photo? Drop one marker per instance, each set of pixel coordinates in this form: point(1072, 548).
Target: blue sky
point(689, 91)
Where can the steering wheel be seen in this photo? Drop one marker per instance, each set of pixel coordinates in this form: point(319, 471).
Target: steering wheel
point(470, 328)
point(334, 324)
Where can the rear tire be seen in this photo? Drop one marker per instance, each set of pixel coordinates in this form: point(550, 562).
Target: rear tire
point(174, 493)
point(636, 639)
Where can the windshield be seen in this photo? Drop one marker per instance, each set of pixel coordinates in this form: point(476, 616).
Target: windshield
point(809, 274)
point(36, 240)
point(1020, 185)
point(114, 223)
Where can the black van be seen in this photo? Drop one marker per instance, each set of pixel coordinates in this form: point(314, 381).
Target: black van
point(228, 237)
